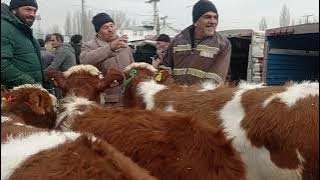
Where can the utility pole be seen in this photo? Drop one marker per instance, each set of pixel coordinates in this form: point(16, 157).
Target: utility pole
point(82, 16)
point(164, 21)
point(156, 21)
point(307, 17)
point(38, 18)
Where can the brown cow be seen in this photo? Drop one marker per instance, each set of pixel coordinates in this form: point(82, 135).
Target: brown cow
point(274, 128)
point(30, 105)
point(85, 81)
point(28, 152)
point(65, 155)
point(171, 146)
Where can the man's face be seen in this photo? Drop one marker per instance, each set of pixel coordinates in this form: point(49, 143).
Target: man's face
point(55, 41)
point(107, 32)
point(26, 14)
point(207, 24)
point(161, 46)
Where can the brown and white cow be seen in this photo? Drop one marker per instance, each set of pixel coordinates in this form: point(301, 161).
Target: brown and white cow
point(171, 146)
point(65, 155)
point(28, 105)
point(274, 128)
point(85, 81)
point(31, 150)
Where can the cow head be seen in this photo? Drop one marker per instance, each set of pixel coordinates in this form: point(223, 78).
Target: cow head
point(33, 104)
point(85, 81)
point(136, 73)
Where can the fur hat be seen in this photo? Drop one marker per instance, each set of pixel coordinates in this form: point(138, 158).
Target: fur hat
point(14, 4)
point(201, 7)
point(100, 19)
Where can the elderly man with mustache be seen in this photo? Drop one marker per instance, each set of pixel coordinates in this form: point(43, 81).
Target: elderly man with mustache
point(107, 50)
point(199, 52)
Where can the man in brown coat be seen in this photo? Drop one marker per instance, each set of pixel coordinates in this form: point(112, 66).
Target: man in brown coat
point(199, 52)
point(107, 50)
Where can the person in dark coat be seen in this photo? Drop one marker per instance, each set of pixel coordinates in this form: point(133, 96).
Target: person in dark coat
point(46, 56)
point(199, 52)
point(65, 54)
point(20, 51)
point(76, 43)
point(162, 43)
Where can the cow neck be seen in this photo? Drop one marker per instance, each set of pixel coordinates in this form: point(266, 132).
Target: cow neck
point(67, 112)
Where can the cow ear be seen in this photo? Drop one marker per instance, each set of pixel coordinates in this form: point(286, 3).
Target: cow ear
point(161, 76)
point(114, 77)
point(36, 102)
point(57, 78)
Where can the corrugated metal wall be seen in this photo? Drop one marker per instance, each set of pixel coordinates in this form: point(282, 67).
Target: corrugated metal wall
point(282, 68)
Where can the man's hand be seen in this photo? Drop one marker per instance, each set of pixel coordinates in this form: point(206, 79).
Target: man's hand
point(118, 43)
point(155, 62)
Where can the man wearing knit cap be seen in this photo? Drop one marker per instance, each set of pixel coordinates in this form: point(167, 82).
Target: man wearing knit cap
point(20, 51)
point(107, 50)
point(162, 43)
point(199, 52)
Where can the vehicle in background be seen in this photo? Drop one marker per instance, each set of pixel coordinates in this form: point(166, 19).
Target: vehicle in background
point(291, 53)
point(143, 50)
point(247, 54)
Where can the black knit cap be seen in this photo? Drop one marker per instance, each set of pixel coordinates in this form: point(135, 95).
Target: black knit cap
point(163, 37)
point(14, 4)
point(100, 19)
point(201, 7)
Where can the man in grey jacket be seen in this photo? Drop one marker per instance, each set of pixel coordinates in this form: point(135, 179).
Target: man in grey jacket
point(65, 54)
point(107, 50)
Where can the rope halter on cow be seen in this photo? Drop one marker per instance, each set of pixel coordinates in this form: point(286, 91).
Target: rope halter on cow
point(158, 77)
point(133, 73)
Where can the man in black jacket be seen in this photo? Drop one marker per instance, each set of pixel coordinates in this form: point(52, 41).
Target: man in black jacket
point(76, 43)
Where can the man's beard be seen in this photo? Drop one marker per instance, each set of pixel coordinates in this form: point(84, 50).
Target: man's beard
point(24, 19)
point(209, 31)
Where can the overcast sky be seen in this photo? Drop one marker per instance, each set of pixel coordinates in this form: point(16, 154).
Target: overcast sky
point(234, 14)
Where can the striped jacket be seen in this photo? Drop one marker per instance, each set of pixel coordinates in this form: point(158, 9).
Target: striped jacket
point(190, 64)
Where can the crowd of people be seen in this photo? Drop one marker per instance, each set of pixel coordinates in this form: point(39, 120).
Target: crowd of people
point(197, 53)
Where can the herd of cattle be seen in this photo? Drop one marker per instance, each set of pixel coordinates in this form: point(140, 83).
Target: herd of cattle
point(164, 131)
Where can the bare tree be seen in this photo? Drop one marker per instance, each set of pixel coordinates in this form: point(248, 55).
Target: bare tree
point(75, 28)
point(284, 16)
point(133, 22)
point(119, 17)
point(263, 24)
point(54, 29)
point(293, 22)
point(89, 30)
point(86, 28)
point(127, 23)
point(67, 25)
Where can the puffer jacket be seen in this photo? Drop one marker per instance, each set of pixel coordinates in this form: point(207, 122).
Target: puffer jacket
point(20, 52)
